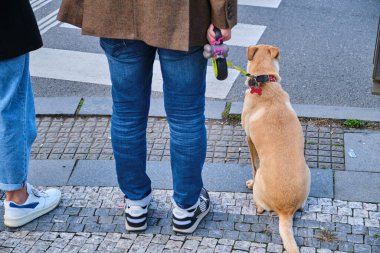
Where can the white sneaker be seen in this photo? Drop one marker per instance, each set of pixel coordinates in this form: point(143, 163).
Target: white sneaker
point(37, 204)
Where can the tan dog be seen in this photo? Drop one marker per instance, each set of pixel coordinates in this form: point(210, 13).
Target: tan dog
point(276, 142)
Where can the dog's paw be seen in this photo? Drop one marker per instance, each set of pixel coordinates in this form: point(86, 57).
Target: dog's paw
point(260, 210)
point(249, 184)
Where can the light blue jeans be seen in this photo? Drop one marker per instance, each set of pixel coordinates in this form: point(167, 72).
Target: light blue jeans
point(184, 75)
point(17, 122)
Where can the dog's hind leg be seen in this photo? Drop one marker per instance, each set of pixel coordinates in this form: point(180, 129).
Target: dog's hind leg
point(254, 160)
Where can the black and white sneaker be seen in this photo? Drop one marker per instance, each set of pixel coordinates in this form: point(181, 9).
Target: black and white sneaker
point(187, 220)
point(136, 214)
point(136, 218)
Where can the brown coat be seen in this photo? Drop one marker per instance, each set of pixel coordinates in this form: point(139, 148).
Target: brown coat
point(172, 24)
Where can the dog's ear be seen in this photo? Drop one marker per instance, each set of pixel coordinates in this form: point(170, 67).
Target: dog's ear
point(274, 52)
point(251, 52)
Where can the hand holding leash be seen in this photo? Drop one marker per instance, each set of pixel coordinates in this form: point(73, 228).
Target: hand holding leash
point(218, 52)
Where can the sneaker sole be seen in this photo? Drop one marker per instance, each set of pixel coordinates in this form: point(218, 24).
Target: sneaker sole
point(135, 229)
point(194, 226)
point(18, 222)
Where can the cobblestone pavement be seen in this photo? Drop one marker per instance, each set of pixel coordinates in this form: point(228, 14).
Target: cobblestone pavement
point(89, 138)
point(91, 219)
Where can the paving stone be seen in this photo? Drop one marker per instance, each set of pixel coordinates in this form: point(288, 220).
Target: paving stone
point(173, 245)
point(223, 249)
point(366, 185)
point(50, 172)
point(88, 248)
point(312, 242)
point(242, 227)
point(153, 248)
point(346, 246)
point(361, 230)
point(56, 105)
point(274, 248)
point(361, 248)
point(321, 183)
point(242, 245)
point(103, 173)
point(190, 244)
point(366, 146)
point(329, 245)
point(230, 234)
point(257, 250)
point(96, 106)
point(103, 106)
point(74, 227)
point(372, 240)
point(307, 250)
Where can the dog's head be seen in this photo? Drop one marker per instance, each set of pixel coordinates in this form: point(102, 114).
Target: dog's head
point(263, 60)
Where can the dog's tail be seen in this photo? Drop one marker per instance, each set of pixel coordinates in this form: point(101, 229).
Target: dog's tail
point(286, 232)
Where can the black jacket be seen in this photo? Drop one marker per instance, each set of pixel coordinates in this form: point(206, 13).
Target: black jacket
point(19, 32)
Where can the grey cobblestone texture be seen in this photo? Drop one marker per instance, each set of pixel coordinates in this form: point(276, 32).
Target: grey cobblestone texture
point(90, 219)
point(89, 138)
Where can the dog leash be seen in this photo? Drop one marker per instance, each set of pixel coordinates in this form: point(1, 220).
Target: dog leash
point(218, 52)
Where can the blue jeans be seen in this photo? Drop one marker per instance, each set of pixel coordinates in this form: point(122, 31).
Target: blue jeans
point(184, 75)
point(17, 122)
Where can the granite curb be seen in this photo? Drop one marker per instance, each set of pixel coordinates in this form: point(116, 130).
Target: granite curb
point(102, 173)
point(102, 106)
point(325, 112)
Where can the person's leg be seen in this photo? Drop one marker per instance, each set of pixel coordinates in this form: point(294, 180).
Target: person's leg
point(131, 68)
point(184, 75)
point(17, 133)
point(17, 125)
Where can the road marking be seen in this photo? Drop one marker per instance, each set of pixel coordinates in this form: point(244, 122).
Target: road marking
point(40, 4)
point(261, 3)
point(93, 68)
point(48, 22)
point(245, 35)
point(66, 25)
point(34, 3)
point(50, 26)
point(44, 19)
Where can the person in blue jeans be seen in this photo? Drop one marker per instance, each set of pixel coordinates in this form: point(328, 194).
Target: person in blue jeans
point(19, 36)
point(132, 34)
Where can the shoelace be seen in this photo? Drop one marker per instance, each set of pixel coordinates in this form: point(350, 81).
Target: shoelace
point(38, 194)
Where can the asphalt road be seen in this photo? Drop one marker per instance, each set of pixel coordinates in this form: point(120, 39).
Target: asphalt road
point(326, 51)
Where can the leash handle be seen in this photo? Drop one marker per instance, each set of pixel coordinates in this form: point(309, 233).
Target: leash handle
point(220, 63)
point(218, 36)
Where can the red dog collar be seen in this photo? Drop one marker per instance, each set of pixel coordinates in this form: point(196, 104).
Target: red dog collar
point(254, 82)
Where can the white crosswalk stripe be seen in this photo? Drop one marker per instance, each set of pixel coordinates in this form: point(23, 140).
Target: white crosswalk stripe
point(48, 22)
point(66, 25)
point(261, 3)
point(39, 4)
point(245, 35)
point(93, 68)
